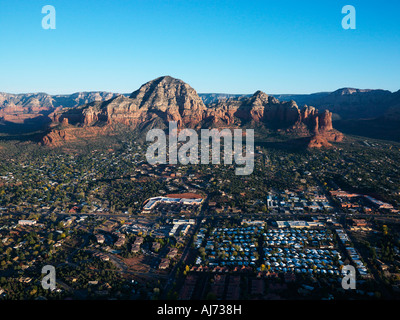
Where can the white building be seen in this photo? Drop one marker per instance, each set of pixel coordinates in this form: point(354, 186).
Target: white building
point(26, 222)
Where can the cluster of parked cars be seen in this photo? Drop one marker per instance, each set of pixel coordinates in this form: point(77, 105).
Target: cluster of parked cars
point(236, 246)
point(301, 250)
point(313, 261)
point(297, 238)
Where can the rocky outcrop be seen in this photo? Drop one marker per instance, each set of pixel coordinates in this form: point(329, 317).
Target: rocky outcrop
point(168, 99)
point(318, 141)
point(61, 136)
point(172, 97)
point(270, 112)
point(56, 138)
point(165, 98)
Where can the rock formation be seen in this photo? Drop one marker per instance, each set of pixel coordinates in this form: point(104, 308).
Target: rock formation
point(168, 99)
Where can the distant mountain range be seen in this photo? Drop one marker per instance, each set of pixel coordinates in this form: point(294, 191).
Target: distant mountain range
point(345, 103)
point(13, 106)
point(20, 113)
point(168, 99)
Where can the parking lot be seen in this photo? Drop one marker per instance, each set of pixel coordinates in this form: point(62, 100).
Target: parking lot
point(307, 250)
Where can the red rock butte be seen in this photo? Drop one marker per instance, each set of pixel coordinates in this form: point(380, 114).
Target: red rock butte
point(166, 99)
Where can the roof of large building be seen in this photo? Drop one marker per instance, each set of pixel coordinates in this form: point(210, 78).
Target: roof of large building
point(188, 195)
point(169, 199)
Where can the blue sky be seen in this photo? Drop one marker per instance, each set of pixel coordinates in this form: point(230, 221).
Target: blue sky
point(216, 46)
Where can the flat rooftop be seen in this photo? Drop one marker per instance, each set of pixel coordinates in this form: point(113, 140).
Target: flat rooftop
point(150, 203)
